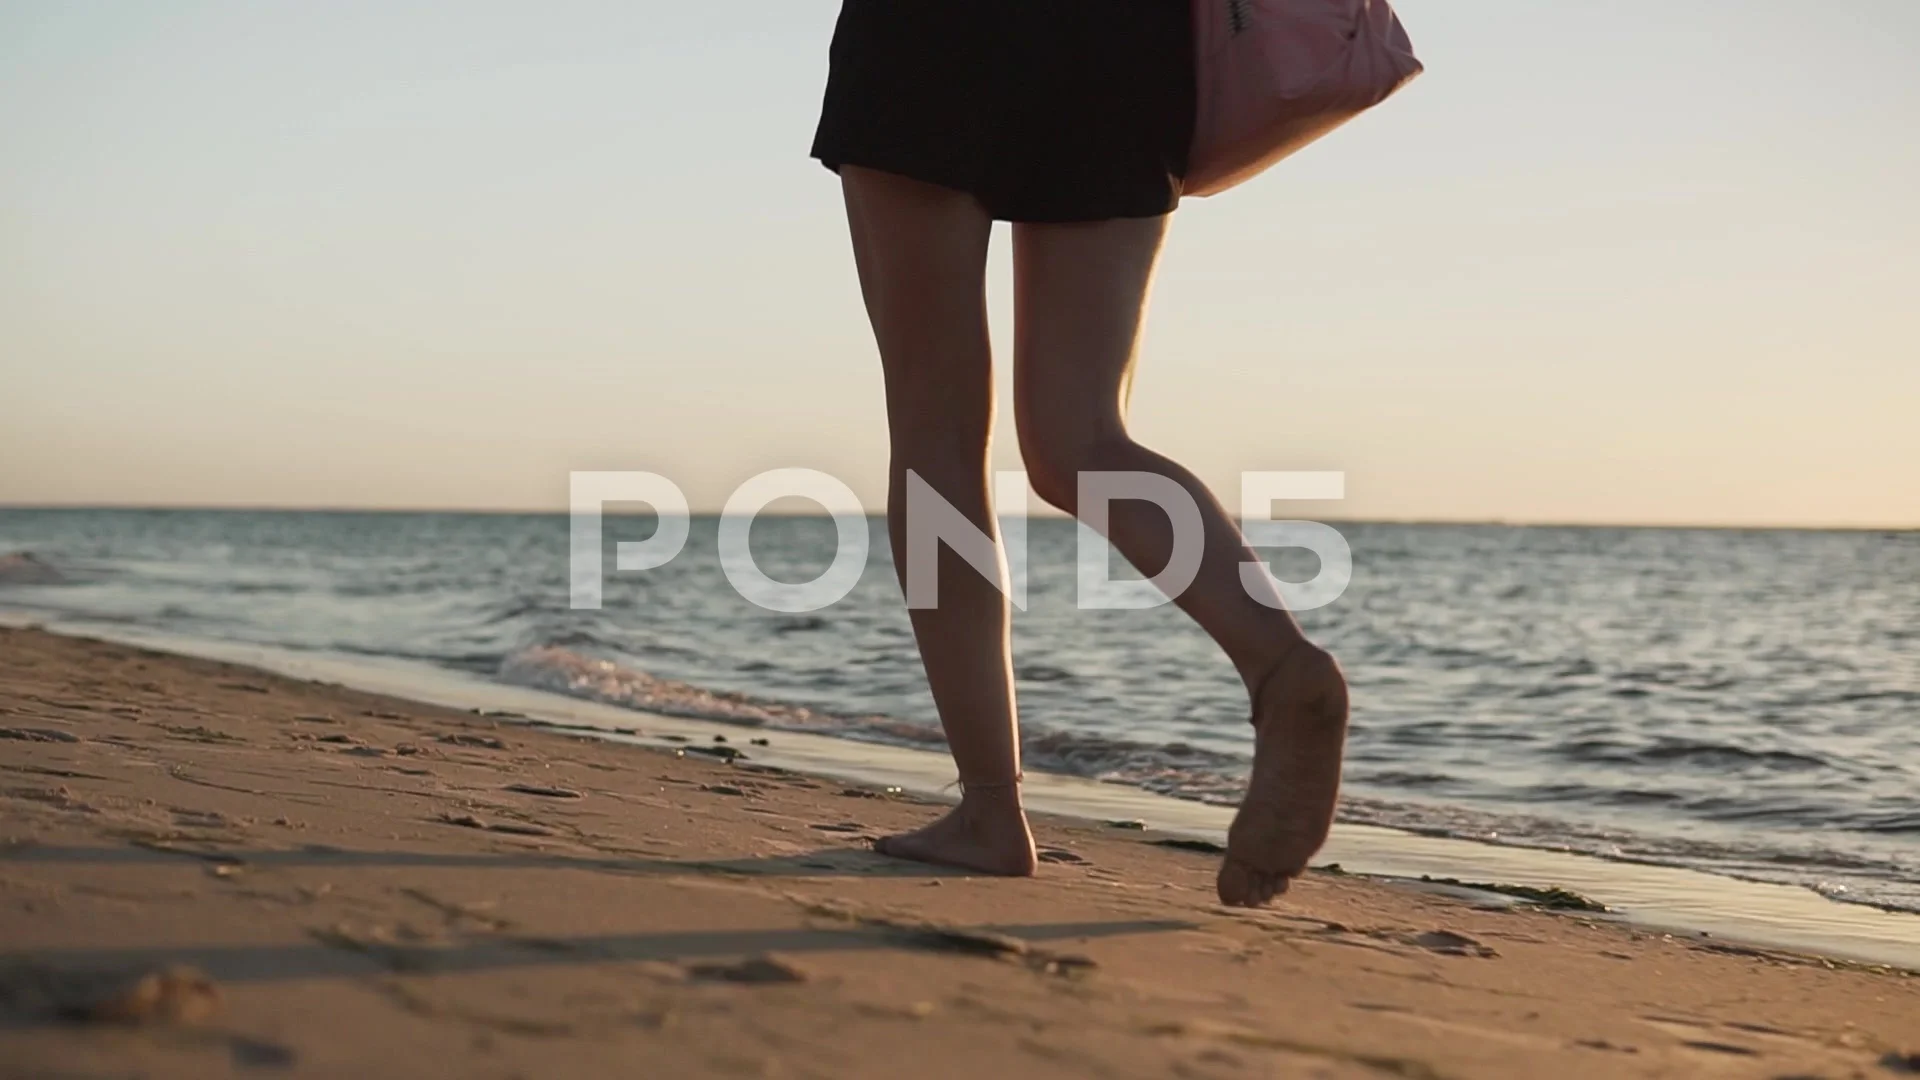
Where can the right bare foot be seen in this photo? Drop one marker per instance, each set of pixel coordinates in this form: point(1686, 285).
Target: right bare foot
point(1300, 734)
point(987, 832)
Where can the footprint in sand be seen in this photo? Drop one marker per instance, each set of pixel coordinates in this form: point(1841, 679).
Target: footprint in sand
point(759, 971)
point(1711, 1047)
point(546, 792)
point(468, 821)
point(1444, 942)
point(171, 996)
point(1204, 847)
point(484, 742)
point(1060, 855)
point(39, 735)
point(1702, 1035)
point(1448, 943)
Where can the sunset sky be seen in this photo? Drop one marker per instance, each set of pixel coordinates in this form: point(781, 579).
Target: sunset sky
point(1637, 262)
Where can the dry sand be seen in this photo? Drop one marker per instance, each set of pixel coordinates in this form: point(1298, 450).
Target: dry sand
point(210, 870)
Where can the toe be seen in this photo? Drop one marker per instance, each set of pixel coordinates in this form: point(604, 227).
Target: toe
point(1268, 886)
point(1237, 883)
point(1276, 886)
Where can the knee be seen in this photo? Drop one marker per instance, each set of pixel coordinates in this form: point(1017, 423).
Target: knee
point(1055, 462)
point(1053, 479)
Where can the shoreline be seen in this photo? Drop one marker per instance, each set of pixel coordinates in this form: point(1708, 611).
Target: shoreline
point(1651, 895)
point(209, 868)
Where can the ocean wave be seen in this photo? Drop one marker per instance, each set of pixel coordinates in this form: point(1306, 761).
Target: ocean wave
point(1836, 875)
point(1182, 770)
point(1042, 673)
point(1687, 752)
point(1893, 824)
point(26, 568)
point(1901, 696)
point(1172, 768)
point(563, 671)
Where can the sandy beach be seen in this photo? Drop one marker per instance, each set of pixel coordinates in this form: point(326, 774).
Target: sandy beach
point(212, 870)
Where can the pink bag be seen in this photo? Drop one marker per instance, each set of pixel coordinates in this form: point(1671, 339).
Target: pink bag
point(1277, 74)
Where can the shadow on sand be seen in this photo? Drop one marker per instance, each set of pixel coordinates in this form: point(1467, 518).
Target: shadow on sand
point(340, 954)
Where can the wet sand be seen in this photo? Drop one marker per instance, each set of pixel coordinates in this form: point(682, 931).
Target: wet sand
point(207, 870)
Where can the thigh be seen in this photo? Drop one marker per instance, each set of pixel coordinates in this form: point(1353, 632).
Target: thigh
point(1080, 297)
point(921, 250)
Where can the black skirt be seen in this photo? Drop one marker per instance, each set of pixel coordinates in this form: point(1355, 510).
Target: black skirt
point(1044, 110)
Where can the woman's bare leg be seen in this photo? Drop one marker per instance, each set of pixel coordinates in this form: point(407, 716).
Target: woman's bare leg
point(1080, 294)
point(921, 252)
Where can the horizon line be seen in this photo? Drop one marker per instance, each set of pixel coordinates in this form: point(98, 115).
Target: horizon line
point(212, 508)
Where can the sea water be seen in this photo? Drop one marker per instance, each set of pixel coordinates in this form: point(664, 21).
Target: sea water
point(1737, 702)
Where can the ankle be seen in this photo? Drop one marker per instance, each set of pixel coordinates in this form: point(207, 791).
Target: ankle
point(1254, 668)
point(992, 801)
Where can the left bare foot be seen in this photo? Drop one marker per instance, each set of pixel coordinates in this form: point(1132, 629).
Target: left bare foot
point(1300, 735)
point(987, 832)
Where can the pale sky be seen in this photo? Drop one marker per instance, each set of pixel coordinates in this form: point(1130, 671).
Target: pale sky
point(1643, 261)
